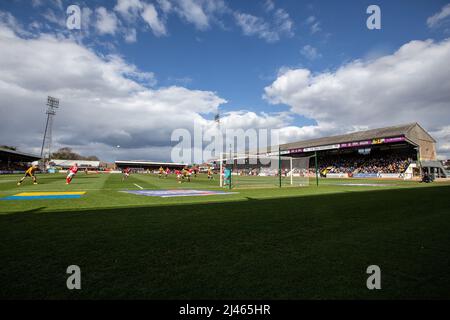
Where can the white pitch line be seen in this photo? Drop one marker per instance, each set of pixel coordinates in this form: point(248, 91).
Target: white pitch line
point(138, 186)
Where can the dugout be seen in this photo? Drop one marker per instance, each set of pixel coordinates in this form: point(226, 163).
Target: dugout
point(408, 141)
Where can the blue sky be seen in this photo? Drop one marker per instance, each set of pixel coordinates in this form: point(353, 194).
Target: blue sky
point(237, 60)
point(222, 59)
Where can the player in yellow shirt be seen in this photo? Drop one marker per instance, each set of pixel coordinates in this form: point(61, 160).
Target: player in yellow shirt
point(29, 173)
point(161, 172)
point(186, 174)
point(210, 174)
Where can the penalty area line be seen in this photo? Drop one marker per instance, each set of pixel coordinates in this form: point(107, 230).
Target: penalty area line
point(138, 186)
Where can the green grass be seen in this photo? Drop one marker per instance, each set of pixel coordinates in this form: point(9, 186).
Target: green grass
point(289, 243)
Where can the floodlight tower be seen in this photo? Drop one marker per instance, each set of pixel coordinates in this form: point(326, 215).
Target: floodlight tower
point(217, 120)
point(52, 104)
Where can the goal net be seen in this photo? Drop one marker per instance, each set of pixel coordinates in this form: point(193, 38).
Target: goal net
point(245, 170)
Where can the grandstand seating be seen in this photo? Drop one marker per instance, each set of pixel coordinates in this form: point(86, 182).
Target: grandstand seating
point(364, 165)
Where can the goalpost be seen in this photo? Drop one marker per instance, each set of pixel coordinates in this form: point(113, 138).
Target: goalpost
point(262, 170)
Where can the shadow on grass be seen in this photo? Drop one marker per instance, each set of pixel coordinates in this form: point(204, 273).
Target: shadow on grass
point(382, 193)
point(308, 247)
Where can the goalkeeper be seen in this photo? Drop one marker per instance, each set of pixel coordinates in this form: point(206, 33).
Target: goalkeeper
point(227, 176)
point(29, 173)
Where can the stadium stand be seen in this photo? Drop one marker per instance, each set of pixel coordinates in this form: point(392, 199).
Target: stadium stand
point(384, 152)
point(12, 161)
point(352, 164)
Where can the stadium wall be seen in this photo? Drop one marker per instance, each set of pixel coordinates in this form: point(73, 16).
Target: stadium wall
point(426, 143)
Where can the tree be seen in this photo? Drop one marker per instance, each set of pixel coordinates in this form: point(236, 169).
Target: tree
point(9, 148)
point(66, 153)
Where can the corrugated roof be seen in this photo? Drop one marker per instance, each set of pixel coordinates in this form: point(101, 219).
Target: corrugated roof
point(20, 154)
point(394, 131)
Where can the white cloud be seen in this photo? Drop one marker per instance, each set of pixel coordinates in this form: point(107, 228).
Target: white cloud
point(269, 5)
point(436, 19)
point(200, 13)
point(55, 3)
point(150, 15)
point(130, 36)
point(279, 24)
point(310, 53)
point(314, 24)
point(165, 5)
point(315, 27)
point(193, 12)
point(36, 3)
point(104, 100)
point(442, 135)
point(252, 25)
point(129, 9)
point(413, 84)
point(58, 4)
point(107, 22)
point(283, 23)
point(244, 119)
point(310, 19)
point(55, 18)
point(9, 21)
point(86, 16)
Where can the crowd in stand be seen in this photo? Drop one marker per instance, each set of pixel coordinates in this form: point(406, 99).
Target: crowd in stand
point(366, 165)
point(13, 166)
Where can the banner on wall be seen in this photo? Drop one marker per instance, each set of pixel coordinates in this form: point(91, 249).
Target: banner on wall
point(321, 148)
point(337, 175)
point(362, 143)
point(365, 175)
point(392, 175)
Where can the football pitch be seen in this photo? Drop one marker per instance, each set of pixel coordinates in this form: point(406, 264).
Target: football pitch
point(311, 242)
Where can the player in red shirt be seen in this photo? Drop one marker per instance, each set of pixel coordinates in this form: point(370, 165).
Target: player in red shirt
point(72, 171)
point(178, 174)
point(126, 173)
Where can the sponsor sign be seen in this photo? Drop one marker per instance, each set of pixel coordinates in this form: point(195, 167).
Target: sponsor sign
point(298, 150)
point(320, 148)
point(361, 143)
point(337, 175)
point(364, 184)
point(365, 175)
point(377, 141)
point(391, 175)
point(356, 144)
point(395, 139)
